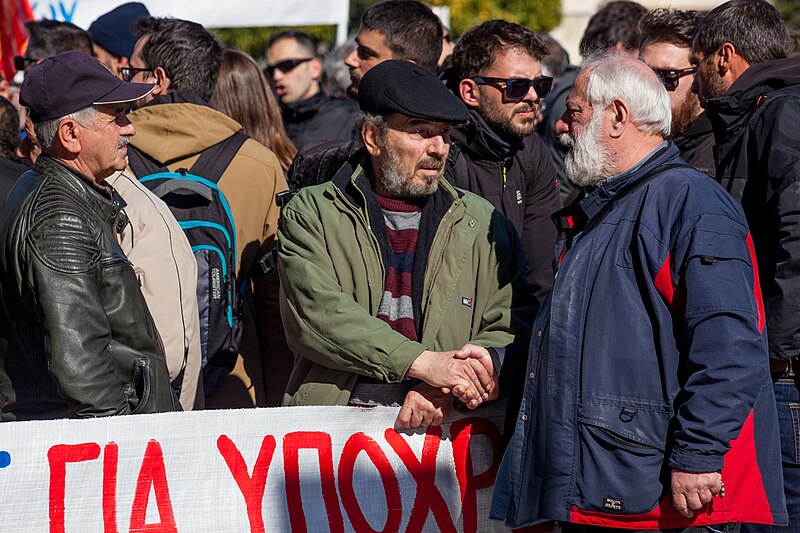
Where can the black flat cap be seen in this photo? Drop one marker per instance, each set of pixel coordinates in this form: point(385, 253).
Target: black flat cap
point(397, 86)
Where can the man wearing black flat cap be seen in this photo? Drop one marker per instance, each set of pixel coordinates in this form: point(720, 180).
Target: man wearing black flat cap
point(398, 288)
point(81, 340)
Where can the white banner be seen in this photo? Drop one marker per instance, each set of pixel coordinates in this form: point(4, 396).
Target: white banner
point(210, 13)
point(294, 469)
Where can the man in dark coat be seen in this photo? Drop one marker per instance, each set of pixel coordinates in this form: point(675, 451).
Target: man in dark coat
point(498, 75)
point(751, 92)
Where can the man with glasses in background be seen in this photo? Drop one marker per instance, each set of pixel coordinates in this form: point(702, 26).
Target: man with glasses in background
point(309, 114)
point(665, 47)
point(496, 71)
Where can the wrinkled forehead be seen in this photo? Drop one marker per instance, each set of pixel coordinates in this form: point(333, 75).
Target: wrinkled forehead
point(399, 121)
point(577, 95)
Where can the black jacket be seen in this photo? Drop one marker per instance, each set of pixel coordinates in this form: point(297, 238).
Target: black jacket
point(697, 145)
point(81, 342)
point(520, 181)
point(757, 131)
point(320, 118)
point(10, 171)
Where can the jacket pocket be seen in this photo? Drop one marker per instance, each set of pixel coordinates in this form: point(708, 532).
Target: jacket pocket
point(141, 382)
point(621, 459)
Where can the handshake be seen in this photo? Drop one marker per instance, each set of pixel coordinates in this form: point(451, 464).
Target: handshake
point(467, 373)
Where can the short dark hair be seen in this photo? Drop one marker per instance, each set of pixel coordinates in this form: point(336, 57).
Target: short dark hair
point(52, 37)
point(672, 26)
point(302, 39)
point(411, 30)
point(754, 27)
point(187, 52)
point(478, 48)
point(616, 22)
point(9, 129)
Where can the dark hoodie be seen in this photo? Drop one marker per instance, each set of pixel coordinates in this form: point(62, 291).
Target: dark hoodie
point(519, 180)
point(320, 118)
point(757, 130)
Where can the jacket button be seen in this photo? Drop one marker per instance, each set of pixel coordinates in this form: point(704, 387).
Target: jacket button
point(393, 376)
point(472, 223)
point(532, 375)
point(524, 417)
point(539, 333)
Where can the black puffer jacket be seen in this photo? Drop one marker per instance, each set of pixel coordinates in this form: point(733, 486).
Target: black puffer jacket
point(320, 118)
point(81, 342)
point(697, 145)
point(757, 130)
point(520, 181)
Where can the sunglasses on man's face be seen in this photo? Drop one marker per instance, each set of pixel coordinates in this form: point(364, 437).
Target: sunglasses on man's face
point(517, 88)
point(128, 73)
point(20, 62)
point(286, 66)
point(670, 77)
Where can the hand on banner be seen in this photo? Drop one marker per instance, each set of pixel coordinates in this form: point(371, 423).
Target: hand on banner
point(424, 406)
point(469, 379)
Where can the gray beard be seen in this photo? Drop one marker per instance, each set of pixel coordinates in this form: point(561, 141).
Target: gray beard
point(587, 162)
point(398, 184)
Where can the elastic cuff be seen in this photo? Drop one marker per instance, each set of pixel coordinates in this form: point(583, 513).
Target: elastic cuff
point(695, 462)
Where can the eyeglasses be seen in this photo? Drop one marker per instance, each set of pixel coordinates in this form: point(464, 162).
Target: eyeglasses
point(128, 73)
point(286, 66)
point(517, 88)
point(670, 77)
point(20, 62)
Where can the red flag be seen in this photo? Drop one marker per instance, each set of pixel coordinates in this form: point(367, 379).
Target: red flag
point(13, 35)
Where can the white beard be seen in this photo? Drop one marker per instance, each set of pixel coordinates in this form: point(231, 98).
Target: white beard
point(588, 160)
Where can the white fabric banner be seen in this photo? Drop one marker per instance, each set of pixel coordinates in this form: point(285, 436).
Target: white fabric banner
point(254, 470)
point(210, 13)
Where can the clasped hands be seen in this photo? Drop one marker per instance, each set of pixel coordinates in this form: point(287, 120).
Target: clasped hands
point(467, 373)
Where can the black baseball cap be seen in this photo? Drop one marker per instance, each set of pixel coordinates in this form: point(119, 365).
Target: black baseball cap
point(397, 86)
point(71, 81)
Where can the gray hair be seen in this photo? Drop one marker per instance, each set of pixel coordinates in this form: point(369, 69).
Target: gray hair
point(376, 120)
point(620, 76)
point(47, 131)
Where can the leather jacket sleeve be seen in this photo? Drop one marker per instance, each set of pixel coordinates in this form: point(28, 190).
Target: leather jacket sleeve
point(65, 275)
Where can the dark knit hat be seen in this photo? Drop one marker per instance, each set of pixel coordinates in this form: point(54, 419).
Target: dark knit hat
point(114, 31)
point(397, 86)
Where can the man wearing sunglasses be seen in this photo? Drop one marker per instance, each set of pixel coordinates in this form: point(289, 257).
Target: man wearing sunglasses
point(751, 91)
point(309, 114)
point(665, 47)
point(498, 75)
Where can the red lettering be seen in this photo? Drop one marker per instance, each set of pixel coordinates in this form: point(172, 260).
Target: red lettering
point(152, 474)
point(320, 441)
point(58, 456)
point(251, 486)
point(428, 498)
point(461, 433)
point(110, 461)
point(356, 444)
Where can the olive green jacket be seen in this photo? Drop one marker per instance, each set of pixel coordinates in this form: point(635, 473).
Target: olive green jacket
point(332, 277)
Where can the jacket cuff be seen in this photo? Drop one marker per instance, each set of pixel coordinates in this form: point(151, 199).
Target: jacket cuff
point(498, 355)
point(396, 366)
point(695, 462)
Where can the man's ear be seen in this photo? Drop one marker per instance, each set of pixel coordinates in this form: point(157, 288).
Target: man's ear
point(316, 69)
point(162, 82)
point(724, 58)
point(68, 136)
point(469, 92)
point(371, 137)
point(620, 117)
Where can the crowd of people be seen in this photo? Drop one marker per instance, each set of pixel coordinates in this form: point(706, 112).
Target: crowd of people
point(611, 248)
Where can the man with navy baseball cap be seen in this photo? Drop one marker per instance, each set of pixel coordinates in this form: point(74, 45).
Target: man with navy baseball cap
point(399, 289)
point(81, 341)
point(114, 35)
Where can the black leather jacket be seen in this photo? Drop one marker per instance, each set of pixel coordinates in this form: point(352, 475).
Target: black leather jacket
point(81, 342)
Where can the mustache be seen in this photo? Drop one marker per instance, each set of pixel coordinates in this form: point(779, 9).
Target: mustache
point(123, 141)
point(523, 108)
point(433, 161)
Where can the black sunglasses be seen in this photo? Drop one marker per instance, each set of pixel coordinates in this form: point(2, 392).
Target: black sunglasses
point(517, 88)
point(128, 73)
point(20, 62)
point(286, 66)
point(670, 77)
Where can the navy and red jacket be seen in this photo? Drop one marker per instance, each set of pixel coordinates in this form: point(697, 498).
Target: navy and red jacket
point(649, 354)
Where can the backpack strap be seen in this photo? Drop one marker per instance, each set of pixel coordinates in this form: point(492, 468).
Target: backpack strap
point(214, 160)
point(142, 164)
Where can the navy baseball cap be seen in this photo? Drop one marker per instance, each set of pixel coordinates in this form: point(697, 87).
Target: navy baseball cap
point(114, 31)
point(71, 81)
point(398, 86)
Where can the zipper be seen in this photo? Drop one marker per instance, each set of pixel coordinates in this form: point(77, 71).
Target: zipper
point(504, 168)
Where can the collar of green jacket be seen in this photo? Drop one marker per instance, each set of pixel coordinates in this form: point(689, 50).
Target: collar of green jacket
point(175, 131)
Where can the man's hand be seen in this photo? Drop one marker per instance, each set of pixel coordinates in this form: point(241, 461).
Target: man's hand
point(692, 491)
point(468, 379)
point(424, 406)
point(480, 354)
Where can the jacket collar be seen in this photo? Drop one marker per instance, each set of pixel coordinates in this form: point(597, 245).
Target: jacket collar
point(300, 110)
point(477, 137)
point(102, 197)
point(604, 193)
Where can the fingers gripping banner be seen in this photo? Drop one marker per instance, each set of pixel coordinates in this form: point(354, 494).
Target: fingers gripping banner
point(290, 469)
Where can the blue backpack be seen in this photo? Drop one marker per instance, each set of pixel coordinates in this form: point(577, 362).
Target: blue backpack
point(204, 214)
